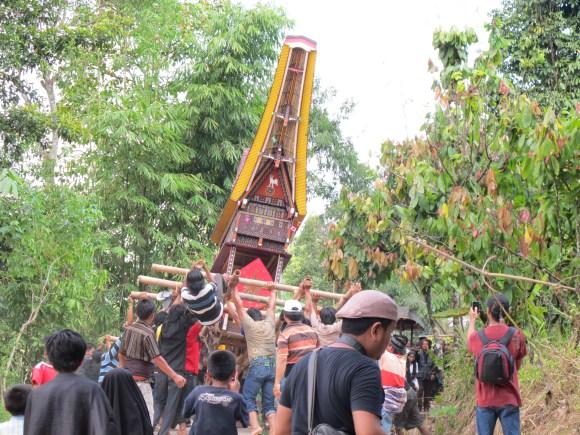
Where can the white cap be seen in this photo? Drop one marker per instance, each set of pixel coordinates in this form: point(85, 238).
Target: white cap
point(292, 306)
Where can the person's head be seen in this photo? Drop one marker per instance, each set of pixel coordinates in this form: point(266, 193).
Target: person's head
point(221, 365)
point(494, 306)
point(254, 314)
point(90, 349)
point(397, 345)
point(328, 315)
point(195, 280)
point(411, 357)
point(425, 344)
point(370, 316)
point(15, 398)
point(145, 311)
point(293, 311)
point(66, 350)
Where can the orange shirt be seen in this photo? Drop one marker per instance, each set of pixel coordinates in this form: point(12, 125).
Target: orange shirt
point(296, 341)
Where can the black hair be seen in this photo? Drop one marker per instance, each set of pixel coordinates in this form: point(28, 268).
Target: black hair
point(328, 315)
point(221, 364)
point(145, 308)
point(495, 303)
point(255, 314)
point(358, 327)
point(195, 280)
point(66, 350)
point(306, 321)
point(91, 346)
point(15, 398)
point(295, 316)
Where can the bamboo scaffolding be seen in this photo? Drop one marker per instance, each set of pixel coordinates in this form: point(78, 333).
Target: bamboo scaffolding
point(161, 268)
point(159, 282)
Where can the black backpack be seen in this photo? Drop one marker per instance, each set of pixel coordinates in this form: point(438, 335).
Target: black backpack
point(495, 364)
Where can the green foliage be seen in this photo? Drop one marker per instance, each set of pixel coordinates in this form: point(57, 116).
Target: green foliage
point(307, 255)
point(542, 46)
point(49, 244)
point(494, 182)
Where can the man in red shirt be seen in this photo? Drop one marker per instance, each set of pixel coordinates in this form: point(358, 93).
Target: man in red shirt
point(497, 401)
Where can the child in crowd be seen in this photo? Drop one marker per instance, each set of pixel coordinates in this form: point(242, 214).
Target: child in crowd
point(218, 406)
point(15, 403)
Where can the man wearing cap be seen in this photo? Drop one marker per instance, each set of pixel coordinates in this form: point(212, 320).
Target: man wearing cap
point(296, 340)
point(393, 365)
point(348, 393)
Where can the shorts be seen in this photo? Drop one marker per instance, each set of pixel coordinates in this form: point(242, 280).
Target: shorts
point(410, 417)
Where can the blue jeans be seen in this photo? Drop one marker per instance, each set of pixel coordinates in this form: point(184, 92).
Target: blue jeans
point(261, 376)
point(387, 421)
point(509, 417)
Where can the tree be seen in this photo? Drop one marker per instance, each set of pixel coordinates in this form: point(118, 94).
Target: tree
point(49, 274)
point(494, 183)
point(37, 42)
point(542, 49)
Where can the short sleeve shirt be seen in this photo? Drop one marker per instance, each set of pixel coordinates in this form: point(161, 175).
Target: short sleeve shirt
point(216, 410)
point(296, 340)
point(140, 348)
point(490, 395)
point(346, 381)
point(260, 335)
point(43, 373)
point(327, 334)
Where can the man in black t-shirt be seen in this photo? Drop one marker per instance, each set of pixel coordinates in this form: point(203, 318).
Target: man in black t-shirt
point(349, 395)
point(173, 347)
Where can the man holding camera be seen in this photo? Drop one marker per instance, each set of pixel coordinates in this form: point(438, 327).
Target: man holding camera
point(498, 350)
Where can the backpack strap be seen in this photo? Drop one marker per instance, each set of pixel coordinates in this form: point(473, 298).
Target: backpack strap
point(507, 336)
point(311, 378)
point(483, 337)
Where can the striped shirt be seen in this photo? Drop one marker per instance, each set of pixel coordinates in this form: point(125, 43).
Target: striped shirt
point(393, 370)
point(140, 348)
point(110, 360)
point(296, 341)
point(205, 305)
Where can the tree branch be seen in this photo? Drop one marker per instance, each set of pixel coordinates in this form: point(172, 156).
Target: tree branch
point(489, 274)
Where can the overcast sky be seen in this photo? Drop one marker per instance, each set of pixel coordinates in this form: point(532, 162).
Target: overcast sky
point(375, 53)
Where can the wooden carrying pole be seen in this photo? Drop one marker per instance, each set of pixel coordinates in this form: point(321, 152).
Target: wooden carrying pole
point(249, 282)
point(149, 280)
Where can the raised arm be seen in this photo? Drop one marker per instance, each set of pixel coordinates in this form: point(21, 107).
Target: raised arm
point(272, 301)
point(352, 290)
point(208, 276)
point(309, 307)
point(238, 304)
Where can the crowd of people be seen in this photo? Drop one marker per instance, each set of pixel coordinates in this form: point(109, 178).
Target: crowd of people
point(308, 371)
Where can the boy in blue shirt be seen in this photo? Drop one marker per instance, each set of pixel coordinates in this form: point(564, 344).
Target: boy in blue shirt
point(217, 407)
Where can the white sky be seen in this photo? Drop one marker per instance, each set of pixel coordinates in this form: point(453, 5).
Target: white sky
point(375, 53)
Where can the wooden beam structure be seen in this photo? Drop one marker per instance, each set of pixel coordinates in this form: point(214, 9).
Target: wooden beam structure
point(159, 282)
point(161, 268)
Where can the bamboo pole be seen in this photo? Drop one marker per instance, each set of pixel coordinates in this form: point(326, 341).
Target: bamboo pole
point(249, 282)
point(149, 280)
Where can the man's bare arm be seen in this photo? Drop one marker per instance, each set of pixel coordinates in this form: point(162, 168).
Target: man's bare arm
point(238, 304)
point(160, 362)
point(283, 421)
point(366, 423)
point(270, 310)
point(352, 290)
